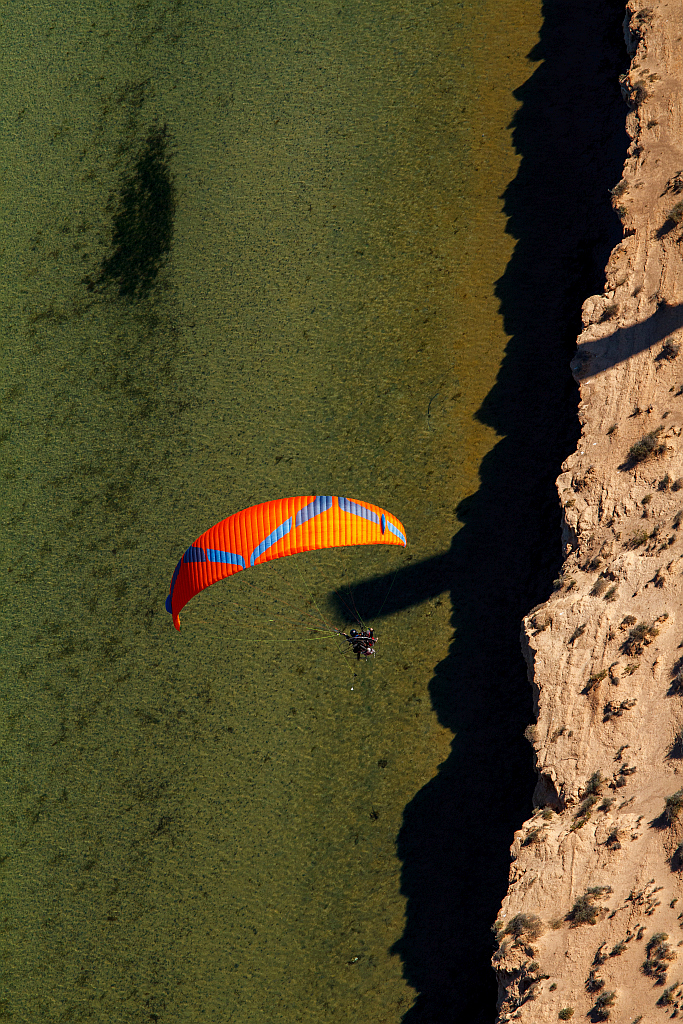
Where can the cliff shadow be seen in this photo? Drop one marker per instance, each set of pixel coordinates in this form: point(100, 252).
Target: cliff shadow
point(457, 830)
point(600, 354)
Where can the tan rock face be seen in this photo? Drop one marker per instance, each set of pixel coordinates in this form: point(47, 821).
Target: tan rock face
point(593, 918)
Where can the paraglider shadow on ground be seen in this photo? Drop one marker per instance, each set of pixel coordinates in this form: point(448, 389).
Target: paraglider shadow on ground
point(457, 830)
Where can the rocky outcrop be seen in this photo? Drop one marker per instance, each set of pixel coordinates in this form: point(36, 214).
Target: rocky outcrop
point(592, 925)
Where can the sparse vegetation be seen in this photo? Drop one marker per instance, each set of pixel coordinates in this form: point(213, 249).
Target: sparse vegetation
point(665, 483)
point(600, 956)
point(600, 1011)
point(678, 519)
point(667, 996)
point(611, 594)
point(566, 1013)
point(599, 587)
point(677, 682)
point(524, 926)
point(534, 837)
point(639, 637)
point(646, 500)
point(584, 812)
point(677, 485)
point(594, 984)
point(618, 949)
point(579, 631)
point(606, 804)
point(673, 805)
point(628, 620)
point(594, 679)
point(659, 956)
point(639, 538)
point(676, 213)
point(616, 708)
point(584, 910)
point(612, 429)
point(648, 447)
point(596, 781)
point(669, 349)
point(612, 843)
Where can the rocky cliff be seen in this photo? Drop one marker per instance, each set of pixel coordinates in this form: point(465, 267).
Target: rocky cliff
point(592, 925)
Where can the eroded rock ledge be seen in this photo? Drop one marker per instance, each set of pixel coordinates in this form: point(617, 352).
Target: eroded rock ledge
point(593, 919)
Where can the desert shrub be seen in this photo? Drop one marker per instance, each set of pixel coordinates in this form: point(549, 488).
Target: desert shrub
point(566, 1013)
point(667, 996)
point(579, 631)
point(677, 484)
point(618, 949)
point(659, 955)
point(606, 999)
point(596, 781)
point(646, 500)
point(612, 843)
point(600, 1010)
point(599, 587)
point(673, 805)
point(678, 519)
point(594, 984)
point(669, 349)
point(600, 956)
point(639, 538)
point(665, 483)
point(584, 910)
point(648, 446)
point(527, 926)
point(676, 213)
point(616, 708)
point(638, 637)
point(534, 837)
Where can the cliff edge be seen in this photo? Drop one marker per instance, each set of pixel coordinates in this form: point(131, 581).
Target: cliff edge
point(592, 924)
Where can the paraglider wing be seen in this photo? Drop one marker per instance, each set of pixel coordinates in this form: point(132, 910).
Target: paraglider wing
point(274, 529)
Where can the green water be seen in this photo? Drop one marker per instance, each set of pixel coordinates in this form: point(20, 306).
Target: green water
point(196, 827)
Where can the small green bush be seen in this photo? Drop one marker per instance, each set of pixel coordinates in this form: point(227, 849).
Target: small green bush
point(641, 635)
point(584, 911)
point(659, 955)
point(566, 1014)
point(646, 448)
point(596, 781)
point(676, 213)
point(667, 996)
point(594, 984)
point(673, 805)
point(527, 926)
